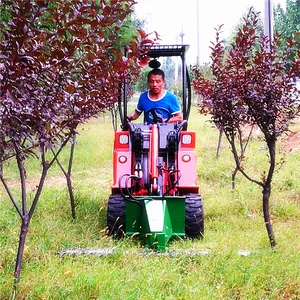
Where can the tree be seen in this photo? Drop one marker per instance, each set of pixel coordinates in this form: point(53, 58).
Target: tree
point(60, 64)
point(259, 28)
point(229, 43)
point(251, 86)
point(129, 28)
point(128, 32)
point(287, 22)
point(142, 83)
point(168, 66)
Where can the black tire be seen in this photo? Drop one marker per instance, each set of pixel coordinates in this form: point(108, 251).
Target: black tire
point(116, 216)
point(194, 217)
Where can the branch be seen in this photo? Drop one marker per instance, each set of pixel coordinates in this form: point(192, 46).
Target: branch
point(58, 162)
point(271, 142)
point(71, 154)
point(245, 145)
point(46, 167)
point(230, 138)
point(10, 195)
point(55, 155)
point(68, 174)
point(20, 163)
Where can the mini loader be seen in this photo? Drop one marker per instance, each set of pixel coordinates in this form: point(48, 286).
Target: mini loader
point(154, 192)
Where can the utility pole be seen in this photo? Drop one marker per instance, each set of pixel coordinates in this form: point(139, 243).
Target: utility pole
point(181, 36)
point(268, 20)
point(198, 36)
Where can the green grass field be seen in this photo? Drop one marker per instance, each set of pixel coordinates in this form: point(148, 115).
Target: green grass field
point(237, 261)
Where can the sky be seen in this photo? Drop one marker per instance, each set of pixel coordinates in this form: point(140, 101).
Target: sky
point(176, 21)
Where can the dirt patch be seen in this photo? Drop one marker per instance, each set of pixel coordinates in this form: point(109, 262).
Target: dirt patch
point(291, 142)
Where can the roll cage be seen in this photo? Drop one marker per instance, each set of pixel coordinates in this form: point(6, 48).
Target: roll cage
point(155, 52)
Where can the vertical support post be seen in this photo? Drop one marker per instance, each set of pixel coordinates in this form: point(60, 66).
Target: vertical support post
point(184, 105)
point(153, 151)
point(122, 99)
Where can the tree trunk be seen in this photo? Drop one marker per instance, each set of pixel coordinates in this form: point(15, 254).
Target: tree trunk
point(271, 142)
point(68, 176)
point(219, 143)
point(22, 240)
point(1, 161)
point(23, 212)
point(266, 197)
point(69, 182)
point(26, 215)
point(233, 175)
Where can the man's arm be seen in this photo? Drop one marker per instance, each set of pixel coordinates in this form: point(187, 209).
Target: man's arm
point(178, 117)
point(133, 116)
point(174, 108)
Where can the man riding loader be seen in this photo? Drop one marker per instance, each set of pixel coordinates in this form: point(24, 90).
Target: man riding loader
point(154, 192)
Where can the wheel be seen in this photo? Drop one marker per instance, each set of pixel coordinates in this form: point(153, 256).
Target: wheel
point(155, 115)
point(116, 216)
point(194, 221)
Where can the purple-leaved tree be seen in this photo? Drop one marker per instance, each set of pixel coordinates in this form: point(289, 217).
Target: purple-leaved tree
point(252, 85)
point(60, 64)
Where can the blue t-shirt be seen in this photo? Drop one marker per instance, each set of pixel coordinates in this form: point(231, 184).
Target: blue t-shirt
point(168, 101)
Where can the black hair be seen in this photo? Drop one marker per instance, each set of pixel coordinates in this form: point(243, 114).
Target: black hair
point(156, 72)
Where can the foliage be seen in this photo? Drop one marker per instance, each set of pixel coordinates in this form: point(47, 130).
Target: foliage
point(60, 64)
point(142, 82)
point(259, 28)
point(53, 80)
point(168, 66)
point(205, 71)
point(129, 29)
point(287, 22)
point(4, 12)
point(251, 86)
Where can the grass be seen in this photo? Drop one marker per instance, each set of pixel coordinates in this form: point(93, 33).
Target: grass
point(233, 222)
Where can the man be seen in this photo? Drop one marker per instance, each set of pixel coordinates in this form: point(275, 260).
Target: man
point(157, 97)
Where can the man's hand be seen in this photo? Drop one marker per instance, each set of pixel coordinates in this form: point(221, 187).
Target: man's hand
point(129, 119)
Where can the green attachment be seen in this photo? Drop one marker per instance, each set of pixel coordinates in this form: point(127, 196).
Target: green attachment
point(156, 219)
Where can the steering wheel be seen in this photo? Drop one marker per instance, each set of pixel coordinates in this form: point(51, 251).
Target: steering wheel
point(155, 115)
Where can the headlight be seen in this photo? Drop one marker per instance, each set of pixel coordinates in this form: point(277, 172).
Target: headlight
point(186, 139)
point(123, 139)
point(186, 158)
point(122, 159)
